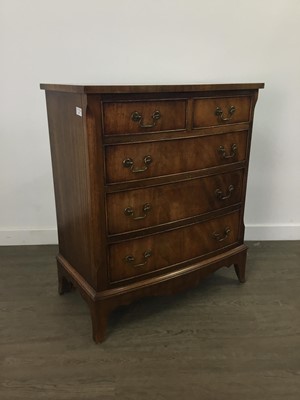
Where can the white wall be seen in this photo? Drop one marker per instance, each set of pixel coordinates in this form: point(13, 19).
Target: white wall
point(148, 41)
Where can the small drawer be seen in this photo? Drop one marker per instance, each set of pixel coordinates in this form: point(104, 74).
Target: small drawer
point(141, 208)
point(145, 160)
point(220, 111)
point(143, 116)
point(138, 257)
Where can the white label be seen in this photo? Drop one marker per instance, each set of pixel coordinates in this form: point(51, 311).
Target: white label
point(79, 111)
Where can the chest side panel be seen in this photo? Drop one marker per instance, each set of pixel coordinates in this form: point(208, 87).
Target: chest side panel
point(70, 165)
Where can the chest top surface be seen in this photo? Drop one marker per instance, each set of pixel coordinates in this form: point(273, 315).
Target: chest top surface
point(149, 88)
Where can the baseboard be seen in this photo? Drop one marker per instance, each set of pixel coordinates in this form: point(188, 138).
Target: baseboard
point(20, 237)
point(272, 232)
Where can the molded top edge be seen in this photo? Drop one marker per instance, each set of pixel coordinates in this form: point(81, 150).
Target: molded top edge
point(149, 88)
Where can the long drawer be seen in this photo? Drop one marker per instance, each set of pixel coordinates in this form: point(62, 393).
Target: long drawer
point(140, 208)
point(128, 162)
point(140, 256)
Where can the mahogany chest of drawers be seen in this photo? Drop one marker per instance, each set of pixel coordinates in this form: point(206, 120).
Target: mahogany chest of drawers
point(150, 186)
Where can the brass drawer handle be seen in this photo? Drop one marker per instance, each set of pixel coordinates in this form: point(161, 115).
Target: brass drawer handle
point(130, 259)
point(129, 212)
point(220, 196)
point(129, 163)
point(221, 236)
point(137, 117)
point(219, 113)
point(232, 154)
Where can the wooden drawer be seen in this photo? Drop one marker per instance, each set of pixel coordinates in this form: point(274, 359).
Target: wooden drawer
point(143, 116)
point(144, 160)
point(138, 257)
point(220, 111)
point(140, 208)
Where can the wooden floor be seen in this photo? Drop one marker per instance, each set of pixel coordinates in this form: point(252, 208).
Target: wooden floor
point(220, 341)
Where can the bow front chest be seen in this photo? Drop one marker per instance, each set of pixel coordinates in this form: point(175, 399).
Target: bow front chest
point(150, 186)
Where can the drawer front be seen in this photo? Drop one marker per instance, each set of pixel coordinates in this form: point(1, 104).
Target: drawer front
point(145, 160)
point(221, 111)
point(144, 116)
point(141, 208)
point(138, 257)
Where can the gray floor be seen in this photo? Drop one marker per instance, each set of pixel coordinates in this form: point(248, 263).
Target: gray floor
point(222, 340)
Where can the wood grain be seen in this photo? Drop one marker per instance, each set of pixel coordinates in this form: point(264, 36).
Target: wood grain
point(70, 163)
point(204, 111)
point(119, 89)
point(171, 202)
point(117, 116)
point(172, 248)
point(171, 157)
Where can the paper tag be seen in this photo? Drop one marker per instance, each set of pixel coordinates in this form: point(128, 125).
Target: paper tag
point(79, 111)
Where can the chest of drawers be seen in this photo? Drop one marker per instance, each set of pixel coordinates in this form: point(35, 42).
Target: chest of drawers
point(150, 186)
